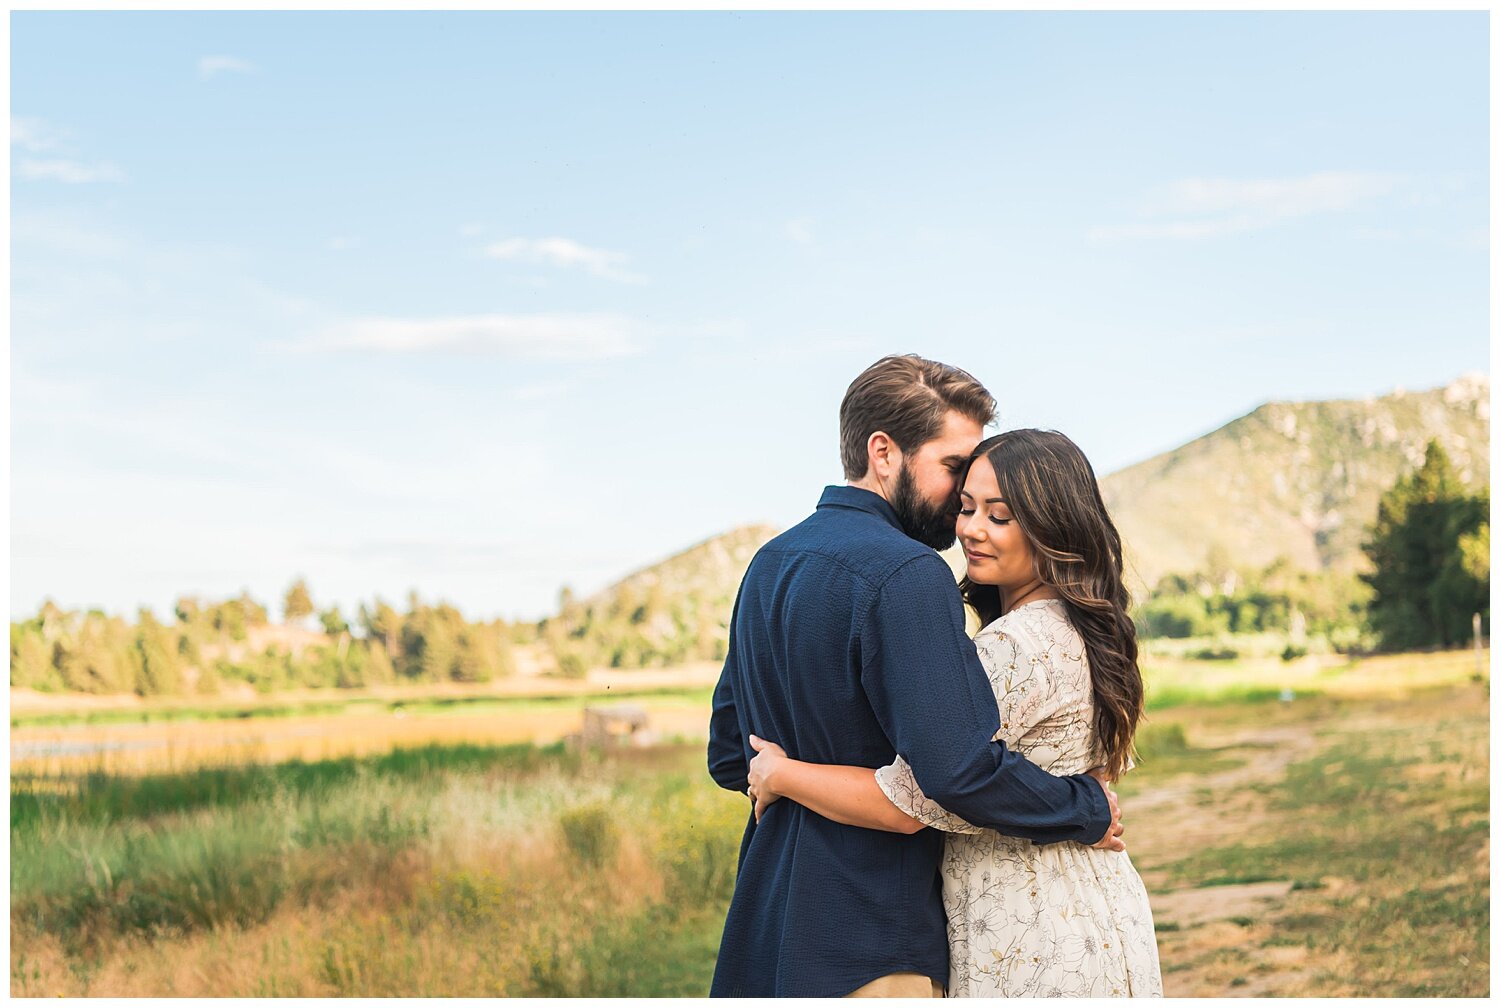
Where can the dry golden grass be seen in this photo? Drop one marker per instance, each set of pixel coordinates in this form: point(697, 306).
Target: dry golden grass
point(173, 747)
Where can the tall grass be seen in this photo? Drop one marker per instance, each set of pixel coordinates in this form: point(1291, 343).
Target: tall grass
point(98, 796)
point(440, 871)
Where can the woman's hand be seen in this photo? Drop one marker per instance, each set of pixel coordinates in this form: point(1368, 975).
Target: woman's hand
point(768, 756)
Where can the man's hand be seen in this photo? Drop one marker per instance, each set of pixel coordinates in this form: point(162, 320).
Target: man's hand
point(1111, 840)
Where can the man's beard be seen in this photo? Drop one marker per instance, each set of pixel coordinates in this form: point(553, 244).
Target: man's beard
point(928, 523)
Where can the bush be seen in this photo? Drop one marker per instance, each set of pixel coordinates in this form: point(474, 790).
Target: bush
point(591, 832)
point(570, 665)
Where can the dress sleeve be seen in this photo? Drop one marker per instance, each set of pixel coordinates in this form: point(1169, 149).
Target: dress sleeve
point(1026, 694)
point(930, 695)
point(900, 786)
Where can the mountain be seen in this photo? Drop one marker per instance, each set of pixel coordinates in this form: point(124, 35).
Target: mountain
point(710, 570)
point(1298, 481)
point(1289, 480)
point(673, 611)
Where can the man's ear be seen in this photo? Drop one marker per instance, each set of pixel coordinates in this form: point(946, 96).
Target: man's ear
point(883, 455)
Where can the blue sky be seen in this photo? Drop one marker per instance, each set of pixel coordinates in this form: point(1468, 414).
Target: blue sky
point(481, 304)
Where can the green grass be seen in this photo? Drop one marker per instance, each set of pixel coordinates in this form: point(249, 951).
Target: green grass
point(1164, 750)
point(105, 798)
point(1167, 697)
point(1355, 812)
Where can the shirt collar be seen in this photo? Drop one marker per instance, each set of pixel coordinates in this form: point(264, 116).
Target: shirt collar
point(859, 499)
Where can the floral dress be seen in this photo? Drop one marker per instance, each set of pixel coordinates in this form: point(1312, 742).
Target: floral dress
point(1061, 920)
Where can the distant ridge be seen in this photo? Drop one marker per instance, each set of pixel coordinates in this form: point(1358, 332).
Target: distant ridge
point(1298, 481)
point(672, 612)
point(702, 569)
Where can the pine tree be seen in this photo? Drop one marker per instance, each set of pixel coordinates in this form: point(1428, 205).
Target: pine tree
point(1424, 593)
point(160, 667)
point(298, 603)
point(333, 621)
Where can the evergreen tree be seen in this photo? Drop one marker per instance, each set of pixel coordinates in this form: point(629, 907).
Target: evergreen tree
point(385, 623)
point(31, 660)
point(1424, 594)
point(378, 669)
point(333, 621)
point(255, 613)
point(298, 603)
point(159, 665)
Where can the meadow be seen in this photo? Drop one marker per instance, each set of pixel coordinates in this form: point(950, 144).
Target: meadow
point(1332, 844)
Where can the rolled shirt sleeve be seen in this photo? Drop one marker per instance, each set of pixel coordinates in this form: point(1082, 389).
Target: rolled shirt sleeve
point(930, 694)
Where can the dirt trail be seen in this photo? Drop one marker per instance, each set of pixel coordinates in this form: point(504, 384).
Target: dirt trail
point(1195, 811)
point(1230, 940)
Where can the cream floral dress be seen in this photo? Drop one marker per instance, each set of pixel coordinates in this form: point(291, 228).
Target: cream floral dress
point(1061, 920)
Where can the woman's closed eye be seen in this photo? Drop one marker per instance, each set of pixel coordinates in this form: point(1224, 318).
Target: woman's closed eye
point(993, 519)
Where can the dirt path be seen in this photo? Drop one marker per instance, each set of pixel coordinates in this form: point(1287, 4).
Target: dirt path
point(1227, 940)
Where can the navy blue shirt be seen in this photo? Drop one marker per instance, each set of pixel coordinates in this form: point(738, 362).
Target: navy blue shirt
point(847, 646)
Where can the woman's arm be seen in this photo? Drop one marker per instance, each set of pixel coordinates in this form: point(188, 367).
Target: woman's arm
point(845, 794)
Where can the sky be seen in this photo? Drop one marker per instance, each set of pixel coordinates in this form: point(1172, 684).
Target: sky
point(483, 304)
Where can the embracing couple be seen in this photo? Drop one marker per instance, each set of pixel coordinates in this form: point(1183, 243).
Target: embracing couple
point(932, 813)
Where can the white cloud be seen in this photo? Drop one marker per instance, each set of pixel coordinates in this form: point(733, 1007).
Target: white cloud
point(799, 230)
point(470, 230)
point(63, 170)
point(535, 337)
point(566, 253)
point(34, 135)
point(210, 66)
point(341, 243)
point(1196, 208)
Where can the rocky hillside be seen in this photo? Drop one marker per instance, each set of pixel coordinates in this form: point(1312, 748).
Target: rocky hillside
point(1293, 480)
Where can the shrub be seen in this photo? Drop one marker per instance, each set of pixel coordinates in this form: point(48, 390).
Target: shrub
point(591, 832)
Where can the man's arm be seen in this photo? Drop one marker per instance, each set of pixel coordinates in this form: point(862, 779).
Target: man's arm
point(727, 764)
point(930, 693)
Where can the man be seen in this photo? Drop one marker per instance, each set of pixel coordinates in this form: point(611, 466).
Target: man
point(847, 646)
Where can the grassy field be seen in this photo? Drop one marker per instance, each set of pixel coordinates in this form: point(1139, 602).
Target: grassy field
point(1336, 844)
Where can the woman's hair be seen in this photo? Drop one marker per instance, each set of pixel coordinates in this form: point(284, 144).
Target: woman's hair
point(1054, 497)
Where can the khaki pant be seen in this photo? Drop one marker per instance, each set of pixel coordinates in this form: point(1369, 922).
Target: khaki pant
point(900, 985)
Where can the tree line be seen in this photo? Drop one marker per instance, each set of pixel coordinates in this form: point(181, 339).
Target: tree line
point(1429, 573)
point(207, 646)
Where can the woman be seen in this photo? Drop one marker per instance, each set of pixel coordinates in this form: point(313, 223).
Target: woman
point(1045, 577)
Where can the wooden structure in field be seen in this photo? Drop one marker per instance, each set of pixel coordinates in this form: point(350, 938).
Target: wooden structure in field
point(615, 725)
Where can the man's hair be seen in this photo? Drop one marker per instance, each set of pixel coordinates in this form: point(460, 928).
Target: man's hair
point(908, 397)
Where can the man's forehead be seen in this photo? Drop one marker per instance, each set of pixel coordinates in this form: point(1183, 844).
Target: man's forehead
point(959, 436)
